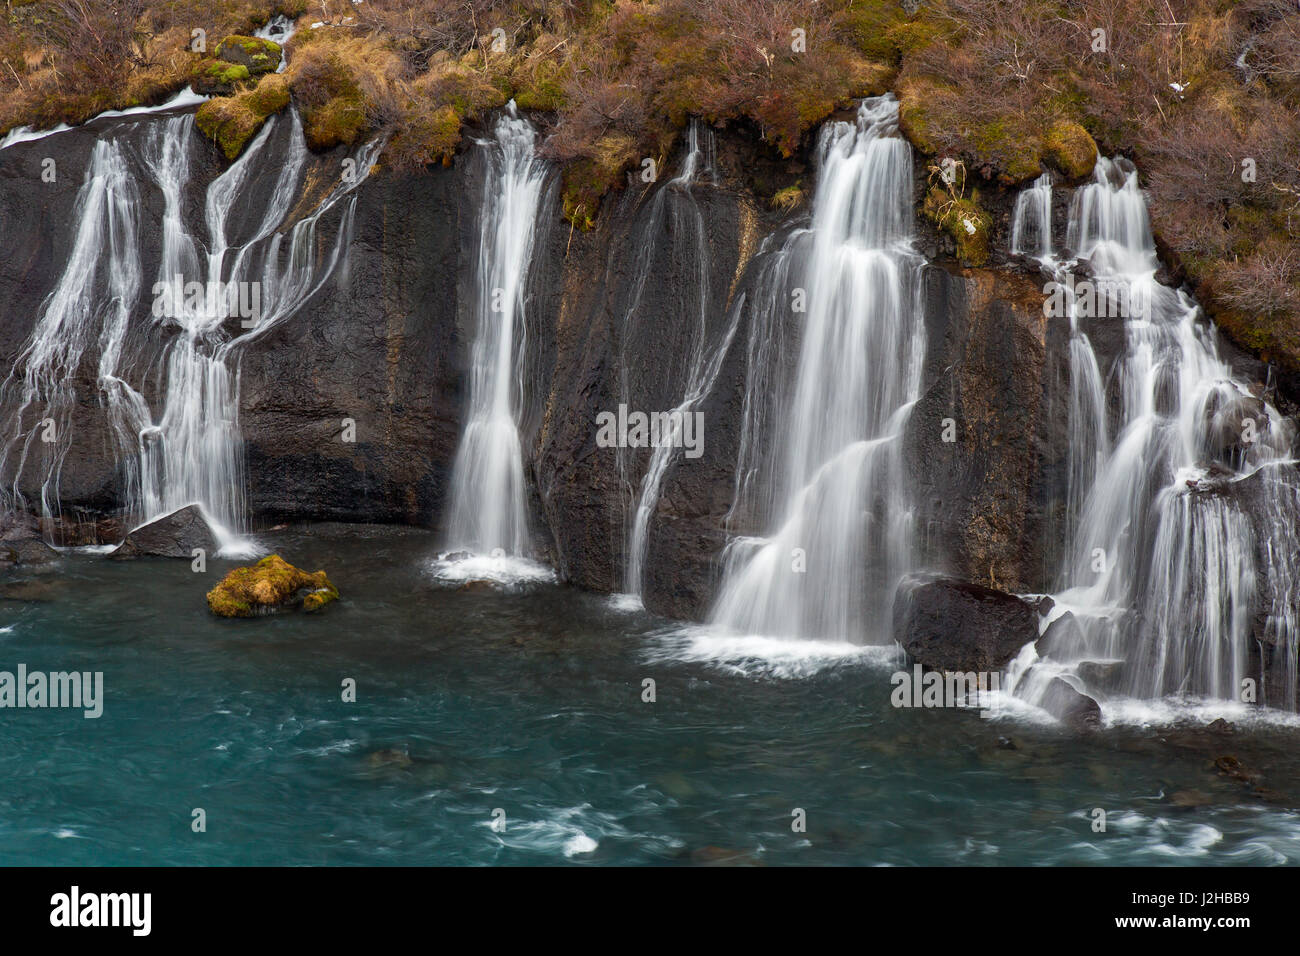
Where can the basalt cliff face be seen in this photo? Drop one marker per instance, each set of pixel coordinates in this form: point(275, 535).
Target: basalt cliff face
point(351, 408)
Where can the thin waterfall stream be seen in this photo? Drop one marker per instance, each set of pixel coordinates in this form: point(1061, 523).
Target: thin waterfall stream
point(488, 515)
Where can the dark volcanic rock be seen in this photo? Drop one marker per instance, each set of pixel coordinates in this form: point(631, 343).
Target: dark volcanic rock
point(175, 535)
point(25, 552)
point(1077, 711)
point(21, 543)
point(973, 441)
point(953, 625)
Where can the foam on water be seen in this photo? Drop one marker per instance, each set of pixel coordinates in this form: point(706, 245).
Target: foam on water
point(503, 569)
point(759, 655)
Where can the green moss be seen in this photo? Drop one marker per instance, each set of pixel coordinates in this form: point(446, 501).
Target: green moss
point(541, 89)
point(253, 53)
point(869, 26)
point(586, 181)
point(1070, 149)
point(231, 122)
point(1011, 146)
point(270, 584)
point(964, 220)
point(909, 36)
point(920, 99)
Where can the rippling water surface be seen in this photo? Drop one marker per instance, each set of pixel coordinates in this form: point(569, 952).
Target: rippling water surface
point(472, 700)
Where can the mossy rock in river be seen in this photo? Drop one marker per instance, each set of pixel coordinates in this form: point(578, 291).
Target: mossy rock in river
point(270, 585)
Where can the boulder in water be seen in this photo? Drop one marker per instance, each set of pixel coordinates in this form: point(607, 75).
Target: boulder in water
point(26, 552)
point(952, 625)
point(270, 585)
point(21, 543)
point(174, 535)
point(1062, 638)
point(1077, 711)
point(1104, 677)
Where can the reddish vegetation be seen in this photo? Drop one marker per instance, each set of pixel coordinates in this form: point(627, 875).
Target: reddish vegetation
point(1191, 89)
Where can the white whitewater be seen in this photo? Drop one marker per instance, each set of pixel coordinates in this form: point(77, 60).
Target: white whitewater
point(1031, 221)
point(821, 464)
point(190, 450)
point(488, 512)
point(675, 211)
point(1162, 569)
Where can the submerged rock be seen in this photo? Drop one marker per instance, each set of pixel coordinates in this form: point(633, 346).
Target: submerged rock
point(21, 543)
point(721, 856)
point(389, 757)
point(26, 552)
point(271, 584)
point(174, 535)
point(1077, 711)
point(952, 625)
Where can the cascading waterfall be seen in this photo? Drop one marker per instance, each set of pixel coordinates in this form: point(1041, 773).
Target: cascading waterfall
point(191, 452)
point(674, 211)
point(821, 461)
point(488, 513)
point(1167, 550)
point(91, 304)
point(1031, 221)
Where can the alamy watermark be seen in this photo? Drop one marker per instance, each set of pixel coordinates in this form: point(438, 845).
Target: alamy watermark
point(958, 689)
point(1100, 298)
point(177, 298)
point(79, 690)
point(676, 429)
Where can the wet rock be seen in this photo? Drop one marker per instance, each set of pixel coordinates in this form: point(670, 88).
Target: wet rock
point(1063, 638)
point(952, 625)
point(1073, 709)
point(36, 591)
point(175, 535)
point(1190, 799)
point(477, 585)
point(389, 757)
point(1269, 795)
point(26, 552)
point(21, 542)
point(1220, 726)
point(270, 585)
point(1104, 677)
point(1232, 768)
point(976, 486)
point(720, 856)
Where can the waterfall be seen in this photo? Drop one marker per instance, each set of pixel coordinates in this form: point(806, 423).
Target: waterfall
point(90, 307)
point(213, 294)
point(1178, 534)
point(820, 465)
point(1031, 220)
point(488, 513)
point(674, 212)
